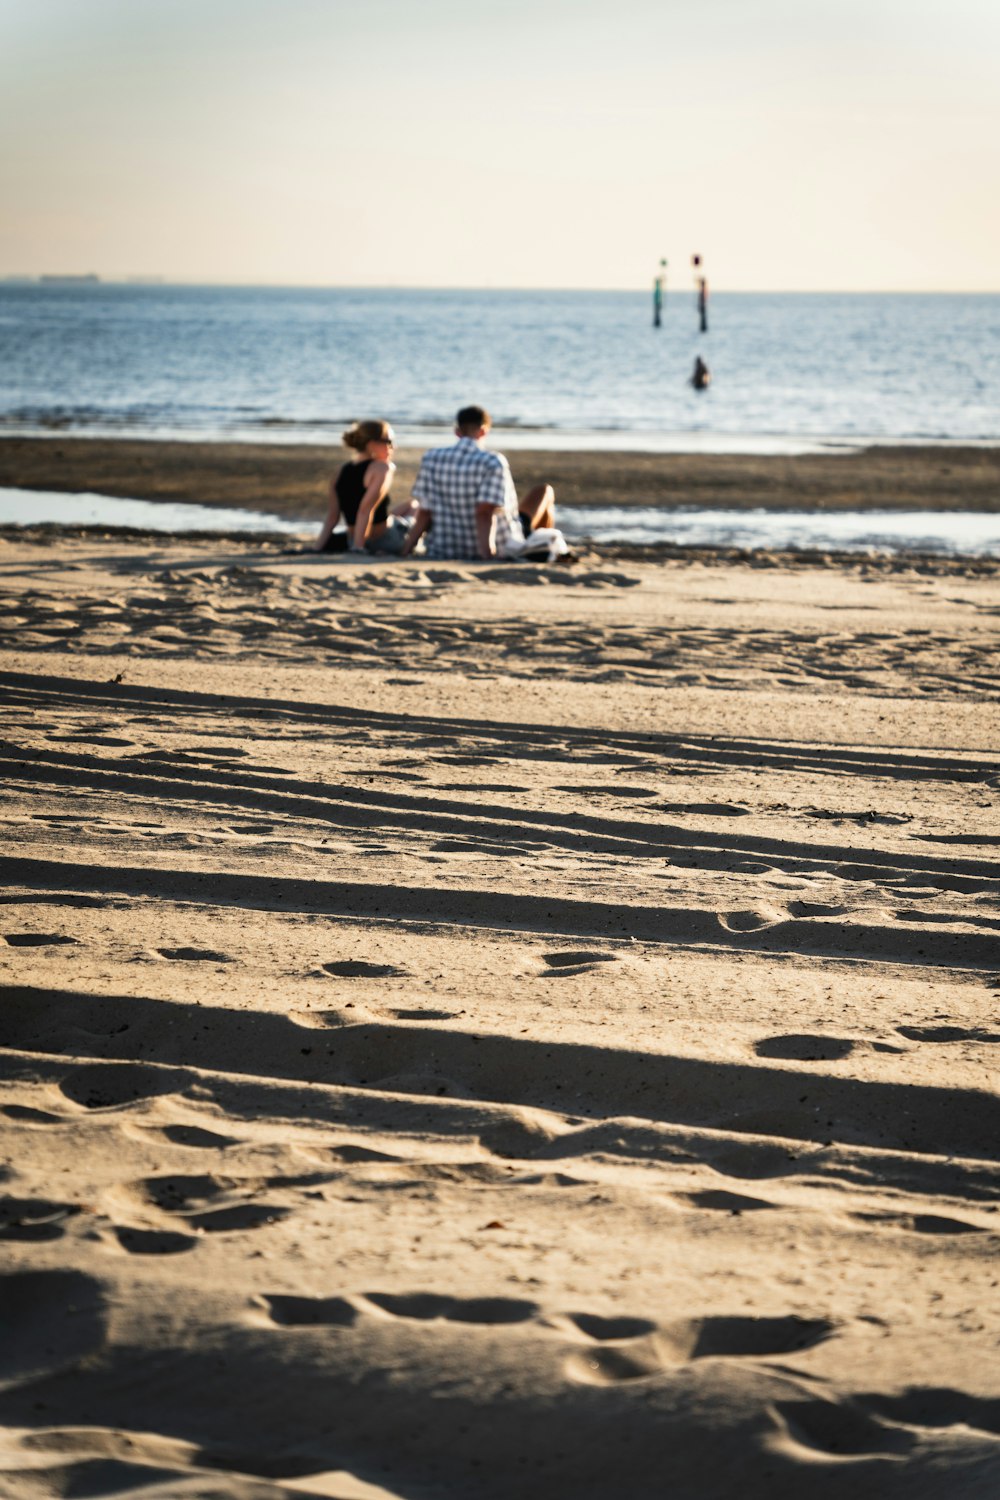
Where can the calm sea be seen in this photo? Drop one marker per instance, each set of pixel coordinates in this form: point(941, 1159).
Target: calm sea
point(580, 369)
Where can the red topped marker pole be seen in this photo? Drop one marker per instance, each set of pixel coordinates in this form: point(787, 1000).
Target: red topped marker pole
point(701, 283)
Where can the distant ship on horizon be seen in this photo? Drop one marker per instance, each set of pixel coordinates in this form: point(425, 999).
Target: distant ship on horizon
point(86, 278)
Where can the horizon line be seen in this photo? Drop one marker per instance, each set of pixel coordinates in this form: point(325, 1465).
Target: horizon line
point(151, 281)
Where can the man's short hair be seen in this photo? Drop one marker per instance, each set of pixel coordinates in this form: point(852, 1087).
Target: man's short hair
point(471, 418)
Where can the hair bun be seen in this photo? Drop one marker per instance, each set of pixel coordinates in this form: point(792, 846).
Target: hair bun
point(360, 434)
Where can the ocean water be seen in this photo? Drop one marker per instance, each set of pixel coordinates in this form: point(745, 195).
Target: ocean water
point(791, 372)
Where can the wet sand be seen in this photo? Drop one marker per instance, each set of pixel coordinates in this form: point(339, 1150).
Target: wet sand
point(291, 481)
point(479, 1031)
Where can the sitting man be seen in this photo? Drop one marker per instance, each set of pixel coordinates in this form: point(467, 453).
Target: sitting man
point(467, 498)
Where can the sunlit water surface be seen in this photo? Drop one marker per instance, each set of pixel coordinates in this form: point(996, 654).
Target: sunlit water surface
point(791, 372)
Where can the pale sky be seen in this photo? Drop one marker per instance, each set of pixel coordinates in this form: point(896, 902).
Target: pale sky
point(796, 144)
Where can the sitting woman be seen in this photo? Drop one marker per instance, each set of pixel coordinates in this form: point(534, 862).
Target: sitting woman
point(359, 494)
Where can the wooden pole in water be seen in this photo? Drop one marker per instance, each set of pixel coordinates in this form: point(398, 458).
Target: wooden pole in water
point(659, 286)
point(701, 282)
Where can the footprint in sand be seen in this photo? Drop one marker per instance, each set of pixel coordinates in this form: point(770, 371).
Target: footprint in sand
point(195, 955)
point(805, 1048)
point(356, 969)
point(419, 1014)
point(815, 909)
point(577, 960)
point(921, 1223)
point(56, 898)
point(937, 1406)
point(351, 1155)
point(27, 1114)
point(238, 1216)
point(196, 1137)
point(428, 1306)
point(754, 1162)
point(153, 1241)
point(608, 791)
point(34, 1218)
point(196, 1200)
point(700, 1338)
point(718, 1200)
point(947, 1034)
point(605, 1330)
point(841, 1429)
point(178, 1192)
point(324, 1020)
point(309, 1312)
point(755, 920)
point(110, 1085)
point(36, 939)
point(705, 809)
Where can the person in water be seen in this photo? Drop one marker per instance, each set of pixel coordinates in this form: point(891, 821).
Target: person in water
point(701, 375)
point(359, 494)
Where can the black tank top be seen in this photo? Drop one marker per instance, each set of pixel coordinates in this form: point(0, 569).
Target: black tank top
point(350, 485)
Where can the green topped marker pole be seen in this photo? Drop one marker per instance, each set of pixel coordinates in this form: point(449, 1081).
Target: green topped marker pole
point(659, 286)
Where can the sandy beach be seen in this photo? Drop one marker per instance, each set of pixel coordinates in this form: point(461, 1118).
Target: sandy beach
point(474, 1032)
point(291, 481)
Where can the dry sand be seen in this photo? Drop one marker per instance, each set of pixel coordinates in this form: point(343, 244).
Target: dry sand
point(475, 1033)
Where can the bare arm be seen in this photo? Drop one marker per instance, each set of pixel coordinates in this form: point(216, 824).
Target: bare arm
point(486, 515)
point(379, 480)
point(332, 517)
point(495, 490)
point(417, 530)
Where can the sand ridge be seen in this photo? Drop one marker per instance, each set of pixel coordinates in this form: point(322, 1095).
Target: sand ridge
point(480, 1032)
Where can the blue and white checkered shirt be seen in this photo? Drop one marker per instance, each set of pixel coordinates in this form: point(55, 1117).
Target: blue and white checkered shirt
point(451, 482)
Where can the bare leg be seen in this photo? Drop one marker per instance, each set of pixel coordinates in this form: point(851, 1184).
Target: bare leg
point(539, 506)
